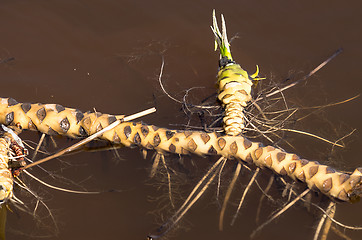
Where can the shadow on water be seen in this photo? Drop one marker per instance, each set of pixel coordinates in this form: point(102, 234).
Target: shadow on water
point(107, 55)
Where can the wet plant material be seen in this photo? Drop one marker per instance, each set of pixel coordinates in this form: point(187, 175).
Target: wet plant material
point(270, 116)
point(30, 200)
point(265, 121)
point(55, 119)
point(29, 203)
point(165, 141)
point(235, 154)
point(13, 155)
point(262, 119)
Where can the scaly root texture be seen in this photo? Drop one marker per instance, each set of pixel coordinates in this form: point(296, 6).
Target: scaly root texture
point(53, 119)
point(332, 183)
point(233, 82)
point(6, 178)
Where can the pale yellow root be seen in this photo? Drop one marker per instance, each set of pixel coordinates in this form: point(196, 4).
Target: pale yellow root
point(270, 183)
point(227, 196)
point(244, 194)
point(279, 213)
point(323, 220)
point(331, 211)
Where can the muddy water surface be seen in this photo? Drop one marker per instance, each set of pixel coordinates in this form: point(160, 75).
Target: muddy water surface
point(107, 55)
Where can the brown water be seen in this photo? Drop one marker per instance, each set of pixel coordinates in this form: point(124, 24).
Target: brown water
point(107, 54)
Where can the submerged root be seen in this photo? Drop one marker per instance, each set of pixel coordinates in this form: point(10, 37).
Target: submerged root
point(58, 188)
point(357, 228)
point(244, 194)
point(325, 223)
point(39, 145)
point(265, 192)
point(156, 162)
point(331, 210)
point(195, 194)
point(339, 233)
point(168, 179)
point(227, 196)
point(265, 119)
point(320, 66)
point(34, 213)
point(286, 207)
